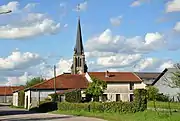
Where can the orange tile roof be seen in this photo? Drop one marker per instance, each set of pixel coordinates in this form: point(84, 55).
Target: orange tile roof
point(116, 76)
point(8, 90)
point(64, 81)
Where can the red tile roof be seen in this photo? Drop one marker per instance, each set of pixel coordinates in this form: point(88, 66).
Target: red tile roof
point(8, 90)
point(64, 81)
point(116, 76)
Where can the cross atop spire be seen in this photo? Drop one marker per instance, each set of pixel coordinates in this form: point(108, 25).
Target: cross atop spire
point(79, 50)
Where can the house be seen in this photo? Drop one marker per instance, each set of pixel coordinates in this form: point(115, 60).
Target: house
point(162, 82)
point(16, 96)
point(6, 93)
point(120, 85)
point(147, 77)
point(39, 92)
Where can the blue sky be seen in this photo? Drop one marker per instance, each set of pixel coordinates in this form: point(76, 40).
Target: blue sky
point(128, 35)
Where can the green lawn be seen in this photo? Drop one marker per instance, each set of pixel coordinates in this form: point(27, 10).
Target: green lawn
point(164, 105)
point(140, 116)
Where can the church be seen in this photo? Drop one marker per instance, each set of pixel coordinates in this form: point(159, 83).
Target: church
point(120, 85)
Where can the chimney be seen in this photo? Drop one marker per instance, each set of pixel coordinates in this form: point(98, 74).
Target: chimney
point(107, 73)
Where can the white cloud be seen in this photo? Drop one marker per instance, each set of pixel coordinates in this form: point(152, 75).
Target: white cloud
point(21, 80)
point(173, 6)
point(167, 64)
point(116, 21)
point(65, 25)
point(28, 24)
point(63, 65)
point(13, 6)
point(119, 60)
point(107, 42)
point(81, 7)
point(18, 60)
point(46, 26)
point(136, 3)
point(177, 27)
point(30, 6)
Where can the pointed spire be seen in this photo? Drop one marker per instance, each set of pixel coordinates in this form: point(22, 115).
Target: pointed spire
point(79, 45)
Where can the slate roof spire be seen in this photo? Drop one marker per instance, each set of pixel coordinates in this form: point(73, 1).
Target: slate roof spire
point(79, 50)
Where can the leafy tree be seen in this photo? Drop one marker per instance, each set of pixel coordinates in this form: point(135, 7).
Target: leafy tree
point(152, 92)
point(96, 88)
point(33, 81)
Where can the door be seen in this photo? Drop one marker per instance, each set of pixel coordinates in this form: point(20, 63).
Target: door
point(118, 98)
point(26, 102)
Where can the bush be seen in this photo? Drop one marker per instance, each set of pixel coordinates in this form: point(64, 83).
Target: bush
point(45, 107)
point(162, 97)
point(140, 100)
point(21, 96)
point(121, 107)
point(73, 96)
point(54, 97)
point(152, 92)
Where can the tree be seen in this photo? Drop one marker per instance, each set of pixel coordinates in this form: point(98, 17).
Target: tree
point(96, 88)
point(33, 81)
point(152, 92)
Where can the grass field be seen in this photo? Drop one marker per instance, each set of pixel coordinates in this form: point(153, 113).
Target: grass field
point(140, 116)
point(164, 105)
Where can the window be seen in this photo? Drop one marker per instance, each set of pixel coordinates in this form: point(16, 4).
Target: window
point(118, 98)
point(131, 86)
point(131, 97)
point(104, 97)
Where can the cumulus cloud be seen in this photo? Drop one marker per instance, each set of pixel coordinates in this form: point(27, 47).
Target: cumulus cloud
point(81, 7)
point(177, 27)
point(119, 60)
point(18, 60)
point(167, 64)
point(21, 80)
point(173, 6)
point(27, 25)
point(116, 21)
point(13, 6)
point(107, 42)
point(46, 26)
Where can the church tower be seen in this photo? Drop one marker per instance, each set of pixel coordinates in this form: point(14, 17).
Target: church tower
point(79, 64)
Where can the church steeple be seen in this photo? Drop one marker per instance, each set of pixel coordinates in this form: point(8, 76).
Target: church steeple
point(78, 57)
point(79, 44)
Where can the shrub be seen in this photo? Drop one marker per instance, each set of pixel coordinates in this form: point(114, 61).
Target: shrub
point(162, 97)
point(21, 96)
point(45, 107)
point(140, 100)
point(121, 107)
point(73, 96)
point(54, 97)
point(152, 92)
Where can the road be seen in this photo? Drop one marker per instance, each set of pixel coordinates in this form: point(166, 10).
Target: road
point(9, 114)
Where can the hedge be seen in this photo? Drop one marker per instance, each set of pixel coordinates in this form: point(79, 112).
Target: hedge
point(112, 107)
point(73, 96)
point(140, 99)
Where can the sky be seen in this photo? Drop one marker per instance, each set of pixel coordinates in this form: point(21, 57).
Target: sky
point(123, 35)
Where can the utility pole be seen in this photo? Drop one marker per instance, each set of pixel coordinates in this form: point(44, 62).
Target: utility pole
point(54, 79)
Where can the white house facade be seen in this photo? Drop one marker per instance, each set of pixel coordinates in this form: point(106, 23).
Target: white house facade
point(164, 80)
